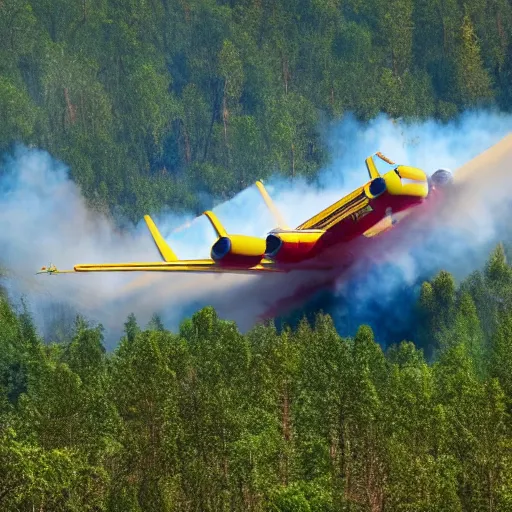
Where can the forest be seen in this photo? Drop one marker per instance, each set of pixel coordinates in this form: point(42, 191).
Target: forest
point(296, 420)
point(183, 103)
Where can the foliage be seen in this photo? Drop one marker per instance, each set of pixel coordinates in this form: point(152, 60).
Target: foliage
point(304, 420)
point(168, 103)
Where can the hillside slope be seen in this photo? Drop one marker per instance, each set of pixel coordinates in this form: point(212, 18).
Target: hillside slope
point(159, 103)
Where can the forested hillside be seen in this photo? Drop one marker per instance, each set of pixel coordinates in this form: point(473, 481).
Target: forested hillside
point(154, 102)
point(209, 419)
point(174, 103)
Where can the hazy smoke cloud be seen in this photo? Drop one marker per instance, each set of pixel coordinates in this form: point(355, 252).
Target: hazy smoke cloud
point(473, 221)
point(44, 219)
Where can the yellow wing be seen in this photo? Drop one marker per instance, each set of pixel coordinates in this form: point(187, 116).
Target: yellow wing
point(171, 262)
point(348, 205)
point(337, 211)
point(206, 265)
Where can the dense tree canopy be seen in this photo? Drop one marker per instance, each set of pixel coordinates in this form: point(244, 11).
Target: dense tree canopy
point(297, 420)
point(156, 102)
point(152, 102)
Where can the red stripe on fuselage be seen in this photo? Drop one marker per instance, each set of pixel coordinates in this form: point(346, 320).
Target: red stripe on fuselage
point(346, 252)
point(334, 247)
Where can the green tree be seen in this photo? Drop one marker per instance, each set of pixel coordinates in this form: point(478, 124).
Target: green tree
point(473, 81)
point(213, 410)
point(421, 474)
point(144, 391)
point(323, 410)
point(367, 466)
point(131, 328)
point(18, 114)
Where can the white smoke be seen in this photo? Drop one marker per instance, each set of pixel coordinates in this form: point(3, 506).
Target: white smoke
point(44, 219)
point(470, 223)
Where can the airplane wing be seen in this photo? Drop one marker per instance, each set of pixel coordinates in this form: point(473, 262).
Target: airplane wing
point(357, 203)
point(348, 205)
point(206, 265)
point(243, 254)
point(336, 212)
point(234, 254)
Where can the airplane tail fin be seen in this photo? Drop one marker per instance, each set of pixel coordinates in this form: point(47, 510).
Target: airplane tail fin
point(372, 168)
point(221, 230)
point(215, 222)
point(166, 252)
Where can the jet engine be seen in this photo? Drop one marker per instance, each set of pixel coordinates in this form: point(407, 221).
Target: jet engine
point(441, 178)
point(238, 250)
point(291, 246)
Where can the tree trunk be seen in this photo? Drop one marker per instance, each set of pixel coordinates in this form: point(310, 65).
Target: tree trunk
point(293, 160)
point(286, 74)
point(186, 139)
point(71, 109)
point(286, 432)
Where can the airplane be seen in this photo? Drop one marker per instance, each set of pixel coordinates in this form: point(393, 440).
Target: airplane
point(332, 239)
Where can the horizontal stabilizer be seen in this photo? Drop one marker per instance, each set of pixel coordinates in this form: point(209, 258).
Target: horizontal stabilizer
point(166, 252)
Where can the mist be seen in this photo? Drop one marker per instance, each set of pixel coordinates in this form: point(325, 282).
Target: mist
point(45, 219)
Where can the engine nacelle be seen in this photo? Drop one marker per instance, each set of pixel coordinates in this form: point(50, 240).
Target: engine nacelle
point(441, 178)
point(238, 250)
point(291, 246)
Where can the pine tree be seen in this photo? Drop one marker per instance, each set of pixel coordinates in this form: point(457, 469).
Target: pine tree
point(131, 328)
point(474, 83)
